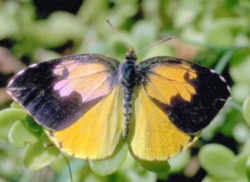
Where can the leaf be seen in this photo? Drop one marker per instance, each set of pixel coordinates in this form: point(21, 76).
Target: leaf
point(223, 61)
point(240, 91)
point(240, 163)
point(241, 132)
point(155, 166)
point(246, 110)
point(16, 105)
point(248, 168)
point(179, 162)
point(139, 174)
point(240, 72)
point(7, 118)
point(39, 155)
point(217, 160)
point(11, 115)
point(213, 179)
point(19, 135)
point(79, 169)
point(33, 126)
point(110, 165)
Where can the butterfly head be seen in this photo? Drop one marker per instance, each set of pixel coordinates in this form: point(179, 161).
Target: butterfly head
point(130, 55)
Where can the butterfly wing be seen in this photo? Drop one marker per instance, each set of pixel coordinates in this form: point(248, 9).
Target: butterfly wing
point(96, 134)
point(74, 97)
point(176, 99)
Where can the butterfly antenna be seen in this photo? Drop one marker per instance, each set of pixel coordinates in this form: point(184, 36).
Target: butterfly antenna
point(69, 167)
point(165, 39)
point(116, 32)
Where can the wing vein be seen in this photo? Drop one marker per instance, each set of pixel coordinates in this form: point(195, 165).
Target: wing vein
point(81, 77)
point(170, 80)
point(93, 90)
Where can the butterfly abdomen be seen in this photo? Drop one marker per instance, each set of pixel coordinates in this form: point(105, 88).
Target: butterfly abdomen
point(127, 108)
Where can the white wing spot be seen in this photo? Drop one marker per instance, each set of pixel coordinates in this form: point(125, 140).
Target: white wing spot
point(10, 82)
point(20, 72)
point(222, 78)
point(228, 88)
point(33, 65)
point(212, 71)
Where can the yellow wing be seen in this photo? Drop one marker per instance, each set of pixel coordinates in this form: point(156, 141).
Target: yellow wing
point(153, 136)
point(167, 81)
point(58, 92)
point(78, 99)
point(96, 134)
point(175, 99)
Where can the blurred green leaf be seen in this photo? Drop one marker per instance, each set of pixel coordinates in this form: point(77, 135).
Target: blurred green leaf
point(8, 22)
point(233, 117)
point(16, 105)
point(223, 61)
point(154, 166)
point(79, 168)
point(240, 163)
point(139, 174)
point(248, 168)
point(179, 162)
point(240, 72)
point(246, 148)
point(63, 27)
point(241, 132)
point(11, 115)
point(30, 123)
point(222, 33)
point(209, 132)
point(246, 110)
point(39, 155)
point(7, 118)
point(217, 160)
point(214, 179)
point(19, 135)
point(240, 91)
point(110, 165)
point(143, 34)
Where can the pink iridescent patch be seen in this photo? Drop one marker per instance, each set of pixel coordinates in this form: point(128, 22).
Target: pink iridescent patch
point(90, 80)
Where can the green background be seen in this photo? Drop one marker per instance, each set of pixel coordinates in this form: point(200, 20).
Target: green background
point(212, 33)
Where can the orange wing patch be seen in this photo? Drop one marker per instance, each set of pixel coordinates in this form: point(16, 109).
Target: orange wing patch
point(153, 136)
point(166, 81)
point(96, 134)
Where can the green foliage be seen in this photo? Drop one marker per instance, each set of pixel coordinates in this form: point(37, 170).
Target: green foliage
point(110, 165)
point(179, 162)
point(7, 117)
point(218, 161)
point(213, 33)
point(157, 167)
point(39, 155)
point(246, 110)
point(222, 164)
point(19, 135)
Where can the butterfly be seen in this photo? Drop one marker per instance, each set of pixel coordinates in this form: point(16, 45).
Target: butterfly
point(90, 102)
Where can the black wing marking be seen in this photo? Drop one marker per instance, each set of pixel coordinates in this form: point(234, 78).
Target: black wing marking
point(33, 88)
point(212, 92)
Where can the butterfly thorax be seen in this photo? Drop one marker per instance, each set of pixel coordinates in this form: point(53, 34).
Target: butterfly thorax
point(128, 75)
